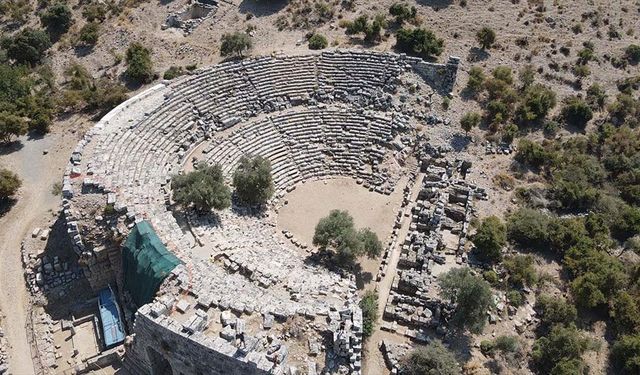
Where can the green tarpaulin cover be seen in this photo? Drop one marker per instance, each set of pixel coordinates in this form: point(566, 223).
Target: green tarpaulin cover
point(145, 262)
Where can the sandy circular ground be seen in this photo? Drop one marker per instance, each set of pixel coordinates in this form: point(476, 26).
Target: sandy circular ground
point(314, 200)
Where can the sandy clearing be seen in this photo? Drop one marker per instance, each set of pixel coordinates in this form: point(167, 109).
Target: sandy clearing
point(314, 200)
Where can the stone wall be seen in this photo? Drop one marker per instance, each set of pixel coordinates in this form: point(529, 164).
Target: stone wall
point(160, 344)
point(441, 77)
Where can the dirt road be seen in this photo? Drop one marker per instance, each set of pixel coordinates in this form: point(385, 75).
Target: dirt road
point(374, 362)
point(38, 173)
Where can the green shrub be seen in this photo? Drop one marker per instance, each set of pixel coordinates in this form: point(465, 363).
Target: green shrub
point(9, 184)
point(528, 228)
point(486, 37)
point(235, 44)
point(369, 306)
point(537, 102)
point(472, 295)
point(11, 126)
point(576, 112)
point(433, 358)
point(521, 270)
point(596, 96)
point(57, 18)
point(560, 350)
point(532, 154)
point(371, 29)
point(469, 121)
point(555, 310)
point(253, 181)
point(632, 53)
point(476, 79)
point(318, 41)
point(173, 72)
point(491, 277)
point(490, 238)
point(202, 188)
point(139, 64)
point(515, 298)
point(27, 46)
point(625, 355)
point(403, 12)
point(89, 34)
point(419, 42)
point(625, 313)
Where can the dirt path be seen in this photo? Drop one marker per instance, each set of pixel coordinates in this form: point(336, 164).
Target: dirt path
point(38, 173)
point(374, 363)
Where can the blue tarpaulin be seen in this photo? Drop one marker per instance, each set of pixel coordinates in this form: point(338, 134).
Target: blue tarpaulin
point(112, 329)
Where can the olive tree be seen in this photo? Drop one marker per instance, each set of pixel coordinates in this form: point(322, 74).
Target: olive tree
point(432, 359)
point(253, 181)
point(202, 188)
point(235, 44)
point(139, 64)
point(9, 184)
point(337, 233)
point(471, 296)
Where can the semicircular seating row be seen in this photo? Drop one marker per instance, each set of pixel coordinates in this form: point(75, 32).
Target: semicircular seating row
point(135, 159)
point(308, 143)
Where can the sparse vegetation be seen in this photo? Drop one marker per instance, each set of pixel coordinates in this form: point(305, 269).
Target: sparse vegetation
point(173, 72)
point(89, 34)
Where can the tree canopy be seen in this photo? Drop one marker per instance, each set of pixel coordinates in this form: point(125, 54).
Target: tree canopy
point(431, 359)
point(486, 37)
point(560, 352)
point(337, 233)
point(235, 44)
point(625, 354)
point(27, 46)
point(57, 18)
point(369, 306)
point(139, 64)
point(419, 42)
point(9, 184)
point(472, 298)
point(490, 238)
point(202, 188)
point(253, 181)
